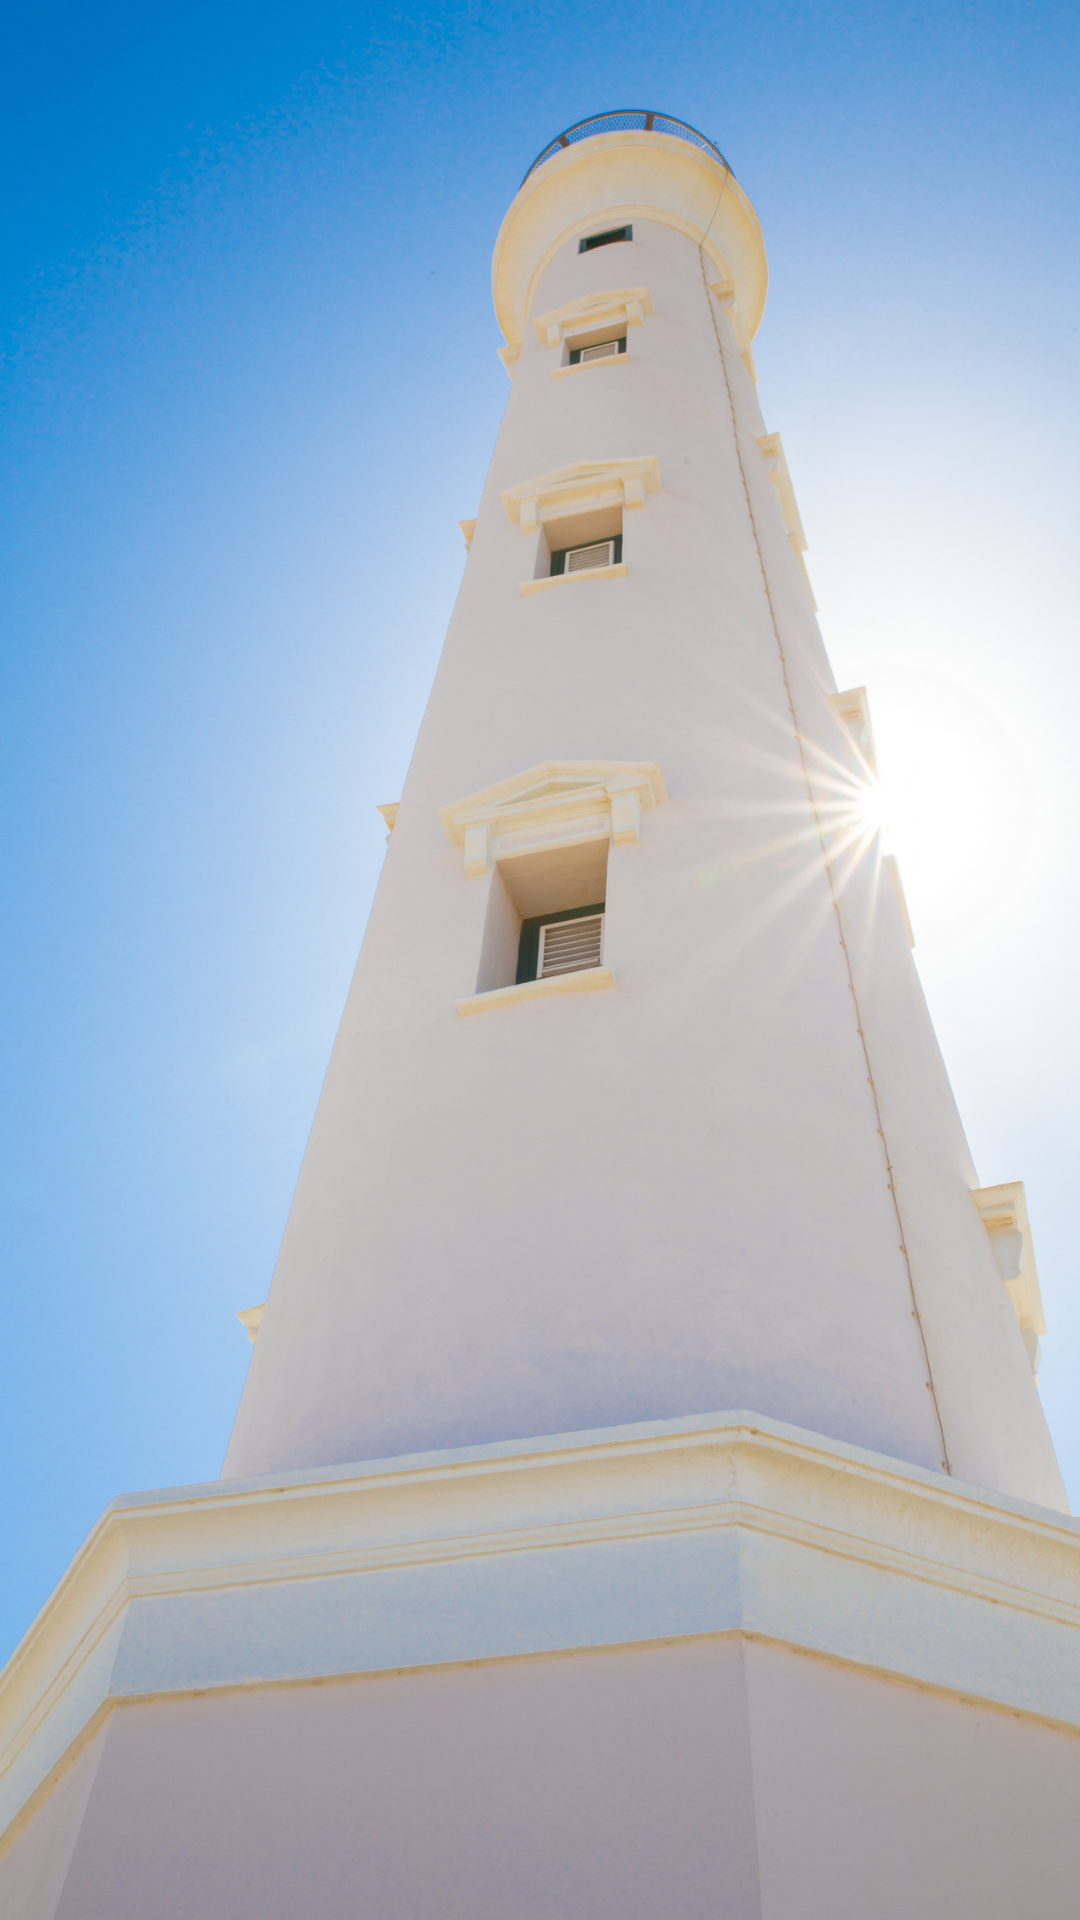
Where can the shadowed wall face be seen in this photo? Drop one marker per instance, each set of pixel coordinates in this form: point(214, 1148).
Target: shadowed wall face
point(546, 1790)
point(722, 1778)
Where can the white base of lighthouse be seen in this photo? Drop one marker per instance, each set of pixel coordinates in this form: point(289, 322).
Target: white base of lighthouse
point(711, 1666)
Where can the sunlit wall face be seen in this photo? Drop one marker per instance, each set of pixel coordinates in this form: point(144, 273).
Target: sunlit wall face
point(245, 277)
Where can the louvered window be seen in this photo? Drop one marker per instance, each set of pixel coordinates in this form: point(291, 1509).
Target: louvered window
point(604, 350)
point(601, 553)
point(581, 557)
point(607, 239)
point(555, 943)
point(566, 946)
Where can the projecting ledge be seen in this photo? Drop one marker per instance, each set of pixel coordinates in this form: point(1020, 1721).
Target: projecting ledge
point(587, 366)
point(710, 1524)
point(588, 980)
point(586, 573)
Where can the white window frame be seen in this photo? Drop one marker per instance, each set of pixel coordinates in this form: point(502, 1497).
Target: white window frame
point(590, 546)
point(582, 920)
point(600, 350)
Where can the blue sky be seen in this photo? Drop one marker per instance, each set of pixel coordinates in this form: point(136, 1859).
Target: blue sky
point(244, 301)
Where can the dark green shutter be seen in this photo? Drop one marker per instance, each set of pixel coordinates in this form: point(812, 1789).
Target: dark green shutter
point(589, 241)
point(529, 944)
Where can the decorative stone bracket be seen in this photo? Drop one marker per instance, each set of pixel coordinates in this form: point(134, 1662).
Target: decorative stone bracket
point(726, 296)
point(776, 463)
point(1004, 1215)
point(578, 488)
point(853, 708)
point(625, 306)
point(560, 803)
point(251, 1320)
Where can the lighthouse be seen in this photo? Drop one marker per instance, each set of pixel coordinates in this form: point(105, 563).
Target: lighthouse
point(640, 1503)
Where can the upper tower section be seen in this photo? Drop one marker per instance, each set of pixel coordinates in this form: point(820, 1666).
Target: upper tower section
point(616, 168)
point(635, 1109)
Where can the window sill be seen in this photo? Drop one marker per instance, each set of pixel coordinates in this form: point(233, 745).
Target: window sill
point(588, 980)
point(587, 366)
point(561, 579)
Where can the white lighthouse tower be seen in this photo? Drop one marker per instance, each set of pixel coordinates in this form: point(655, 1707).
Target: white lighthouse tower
point(640, 1505)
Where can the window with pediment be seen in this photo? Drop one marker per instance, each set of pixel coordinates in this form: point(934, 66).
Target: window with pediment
point(542, 839)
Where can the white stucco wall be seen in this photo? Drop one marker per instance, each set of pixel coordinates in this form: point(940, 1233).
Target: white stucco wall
point(672, 1195)
point(34, 1867)
point(720, 1776)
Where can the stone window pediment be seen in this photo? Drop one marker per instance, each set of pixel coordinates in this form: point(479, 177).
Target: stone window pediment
point(584, 486)
point(776, 461)
point(560, 803)
point(623, 306)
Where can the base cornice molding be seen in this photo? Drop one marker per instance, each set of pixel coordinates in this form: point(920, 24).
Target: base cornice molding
point(713, 1524)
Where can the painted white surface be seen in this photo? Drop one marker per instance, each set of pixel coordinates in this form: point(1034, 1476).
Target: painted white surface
point(721, 1777)
point(551, 1790)
point(597, 1208)
point(890, 1802)
point(34, 1867)
point(673, 1530)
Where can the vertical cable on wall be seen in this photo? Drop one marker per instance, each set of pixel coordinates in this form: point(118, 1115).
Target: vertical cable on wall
point(833, 895)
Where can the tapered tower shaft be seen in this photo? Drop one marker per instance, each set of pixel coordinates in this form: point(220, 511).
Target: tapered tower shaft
point(635, 1110)
point(635, 1119)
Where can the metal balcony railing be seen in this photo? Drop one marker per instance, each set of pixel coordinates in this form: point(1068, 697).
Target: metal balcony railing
point(627, 120)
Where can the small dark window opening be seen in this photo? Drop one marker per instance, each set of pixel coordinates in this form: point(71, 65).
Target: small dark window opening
point(562, 554)
point(605, 350)
point(529, 947)
point(591, 240)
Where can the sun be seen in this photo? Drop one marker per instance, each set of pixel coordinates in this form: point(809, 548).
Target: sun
point(868, 808)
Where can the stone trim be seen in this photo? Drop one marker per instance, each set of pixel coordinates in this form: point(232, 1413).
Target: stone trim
point(560, 803)
point(777, 467)
point(617, 571)
point(723, 1523)
point(1005, 1217)
point(589, 366)
point(624, 307)
point(585, 980)
point(585, 485)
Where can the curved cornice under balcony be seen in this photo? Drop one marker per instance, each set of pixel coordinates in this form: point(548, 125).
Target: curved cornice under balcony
point(613, 178)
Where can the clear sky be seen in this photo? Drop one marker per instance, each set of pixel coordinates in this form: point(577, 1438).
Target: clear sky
point(249, 386)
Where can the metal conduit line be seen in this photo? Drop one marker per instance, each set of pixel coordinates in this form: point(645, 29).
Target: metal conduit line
point(890, 1181)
